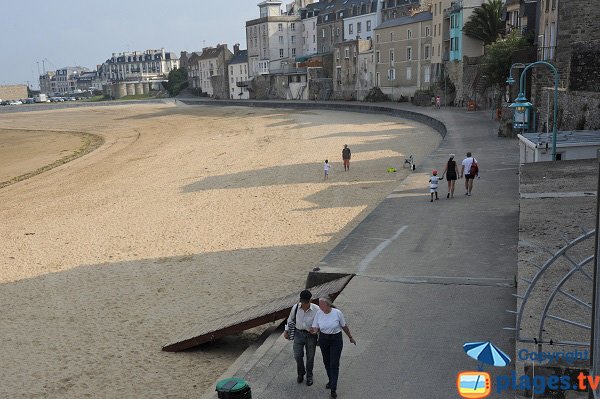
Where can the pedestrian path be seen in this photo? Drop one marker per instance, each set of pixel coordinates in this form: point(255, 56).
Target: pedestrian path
point(430, 277)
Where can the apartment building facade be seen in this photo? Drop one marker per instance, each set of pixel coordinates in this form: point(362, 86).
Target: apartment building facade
point(403, 53)
point(238, 75)
point(209, 69)
point(139, 66)
point(272, 39)
point(348, 69)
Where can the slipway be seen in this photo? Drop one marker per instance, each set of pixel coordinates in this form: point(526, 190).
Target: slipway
point(276, 309)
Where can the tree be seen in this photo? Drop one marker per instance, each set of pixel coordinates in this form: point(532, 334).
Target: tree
point(498, 57)
point(485, 23)
point(177, 81)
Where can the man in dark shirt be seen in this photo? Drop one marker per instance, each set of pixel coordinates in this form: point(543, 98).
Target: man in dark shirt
point(346, 155)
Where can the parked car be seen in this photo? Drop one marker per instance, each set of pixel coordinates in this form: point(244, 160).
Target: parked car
point(70, 99)
point(28, 101)
point(16, 102)
point(5, 102)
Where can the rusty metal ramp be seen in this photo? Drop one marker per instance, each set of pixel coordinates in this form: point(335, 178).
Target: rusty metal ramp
point(276, 309)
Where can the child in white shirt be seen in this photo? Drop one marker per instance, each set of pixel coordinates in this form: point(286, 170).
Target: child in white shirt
point(433, 184)
point(326, 167)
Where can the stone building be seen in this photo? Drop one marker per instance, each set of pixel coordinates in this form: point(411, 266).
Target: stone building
point(46, 83)
point(13, 92)
point(366, 72)
point(347, 68)
point(403, 55)
point(139, 66)
point(61, 82)
point(570, 39)
point(206, 67)
point(392, 9)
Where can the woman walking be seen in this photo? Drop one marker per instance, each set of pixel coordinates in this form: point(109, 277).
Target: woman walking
point(451, 173)
point(329, 323)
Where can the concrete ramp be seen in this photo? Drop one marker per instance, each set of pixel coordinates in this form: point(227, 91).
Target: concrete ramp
point(276, 309)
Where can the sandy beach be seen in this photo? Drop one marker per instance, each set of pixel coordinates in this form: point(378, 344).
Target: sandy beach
point(182, 214)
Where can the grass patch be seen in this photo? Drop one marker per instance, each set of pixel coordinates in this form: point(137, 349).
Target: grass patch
point(96, 98)
point(89, 142)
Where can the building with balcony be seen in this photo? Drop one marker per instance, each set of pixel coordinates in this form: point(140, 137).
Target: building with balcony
point(139, 66)
point(62, 81)
point(272, 38)
point(403, 51)
point(238, 75)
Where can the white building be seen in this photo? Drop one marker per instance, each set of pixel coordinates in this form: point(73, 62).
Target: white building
point(207, 66)
point(238, 75)
point(361, 26)
point(309, 34)
point(570, 145)
point(139, 65)
point(272, 39)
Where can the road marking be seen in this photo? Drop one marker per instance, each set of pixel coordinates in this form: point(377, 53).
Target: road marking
point(567, 194)
point(364, 264)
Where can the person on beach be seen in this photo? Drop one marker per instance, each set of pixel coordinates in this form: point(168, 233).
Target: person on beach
point(451, 174)
point(346, 155)
point(326, 167)
point(469, 169)
point(303, 314)
point(433, 184)
point(329, 323)
point(438, 102)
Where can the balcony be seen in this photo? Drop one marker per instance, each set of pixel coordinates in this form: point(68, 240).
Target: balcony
point(454, 8)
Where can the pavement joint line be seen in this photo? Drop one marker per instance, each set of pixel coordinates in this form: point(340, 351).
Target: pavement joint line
point(364, 264)
point(566, 194)
point(441, 280)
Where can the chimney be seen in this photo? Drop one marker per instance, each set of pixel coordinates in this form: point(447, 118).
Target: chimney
point(236, 48)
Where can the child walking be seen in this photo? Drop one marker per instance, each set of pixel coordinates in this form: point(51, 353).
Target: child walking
point(433, 184)
point(326, 167)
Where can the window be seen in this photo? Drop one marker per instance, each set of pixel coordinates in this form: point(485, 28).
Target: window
point(323, 33)
point(391, 56)
point(368, 26)
point(427, 31)
point(280, 39)
point(293, 39)
point(435, 9)
point(377, 38)
point(280, 53)
point(408, 53)
point(391, 36)
point(337, 54)
point(280, 27)
point(351, 29)
point(427, 74)
point(408, 73)
point(337, 32)
point(314, 38)
point(293, 26)
point(378, 57)
point(358, 27)
point(391, 74)
point(377, 79)
point(409, 34)
point(346, 52)
point(434, 30)
point(294, 52)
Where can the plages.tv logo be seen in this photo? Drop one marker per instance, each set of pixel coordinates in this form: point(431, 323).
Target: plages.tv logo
point(478, 384)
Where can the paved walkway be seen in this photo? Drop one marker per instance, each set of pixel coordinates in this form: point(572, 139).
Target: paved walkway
point(430, 276)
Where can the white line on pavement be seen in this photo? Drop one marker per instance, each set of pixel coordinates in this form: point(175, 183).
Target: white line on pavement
point(364, 264)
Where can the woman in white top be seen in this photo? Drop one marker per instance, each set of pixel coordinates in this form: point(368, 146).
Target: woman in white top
point(329, 323)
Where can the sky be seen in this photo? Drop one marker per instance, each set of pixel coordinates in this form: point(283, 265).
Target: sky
point(86, 33)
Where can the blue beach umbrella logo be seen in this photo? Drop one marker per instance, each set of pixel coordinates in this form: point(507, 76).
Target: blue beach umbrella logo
point(486, 352)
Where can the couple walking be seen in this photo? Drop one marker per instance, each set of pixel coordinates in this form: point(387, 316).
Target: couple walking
point(469, 170)
point(328, 322)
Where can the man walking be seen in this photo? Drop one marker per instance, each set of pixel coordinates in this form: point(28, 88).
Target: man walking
point(346, 155)
point(303, 314)
point(470, 169)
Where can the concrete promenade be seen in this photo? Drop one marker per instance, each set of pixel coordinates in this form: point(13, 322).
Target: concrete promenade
point(430, 276)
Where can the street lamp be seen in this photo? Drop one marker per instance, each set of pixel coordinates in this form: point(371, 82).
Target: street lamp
point(524, 103)
point(521, 114)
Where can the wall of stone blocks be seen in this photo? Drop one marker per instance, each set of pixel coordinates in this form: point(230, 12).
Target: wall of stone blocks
point(576, 110)
point(13, 92)
point(585, 67)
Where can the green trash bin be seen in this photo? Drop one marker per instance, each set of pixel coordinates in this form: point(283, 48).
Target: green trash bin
point(233, 388)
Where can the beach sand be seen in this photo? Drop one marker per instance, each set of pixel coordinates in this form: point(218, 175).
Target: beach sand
point(184, 213)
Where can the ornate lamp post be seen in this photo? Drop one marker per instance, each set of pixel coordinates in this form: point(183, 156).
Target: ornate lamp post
point(521, 101)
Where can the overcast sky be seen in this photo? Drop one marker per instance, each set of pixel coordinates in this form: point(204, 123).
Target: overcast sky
point(86, 33)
